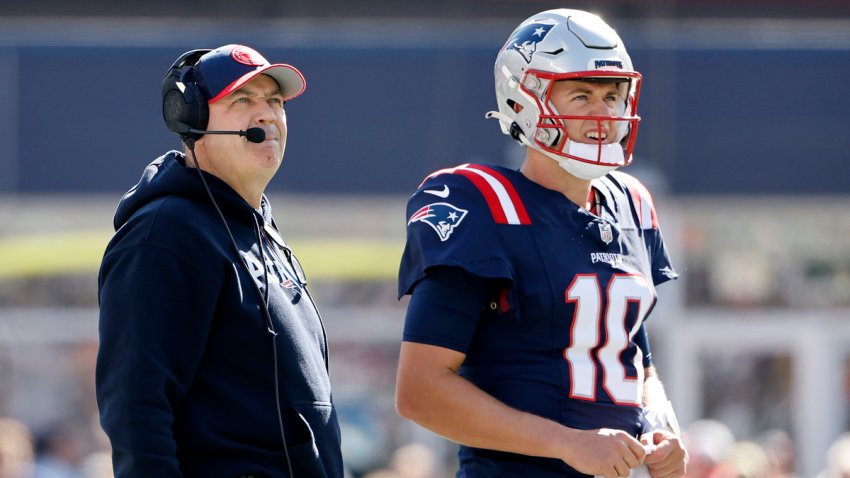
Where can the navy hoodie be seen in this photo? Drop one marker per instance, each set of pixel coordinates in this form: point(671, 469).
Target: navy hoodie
point(186, 367)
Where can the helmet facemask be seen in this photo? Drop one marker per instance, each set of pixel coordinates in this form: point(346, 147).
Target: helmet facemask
point(583, 159)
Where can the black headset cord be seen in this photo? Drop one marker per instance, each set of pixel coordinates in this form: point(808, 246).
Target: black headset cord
point(270, 324)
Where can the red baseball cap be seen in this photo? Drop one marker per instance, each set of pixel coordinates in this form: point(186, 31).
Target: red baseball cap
point(226, 69)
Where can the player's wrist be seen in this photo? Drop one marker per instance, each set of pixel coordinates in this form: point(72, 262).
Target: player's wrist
point(563, 443)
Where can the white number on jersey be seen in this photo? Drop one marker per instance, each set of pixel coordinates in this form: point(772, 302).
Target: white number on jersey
point(586, 293)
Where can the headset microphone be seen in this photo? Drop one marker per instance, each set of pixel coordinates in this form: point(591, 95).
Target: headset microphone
point(254, 135)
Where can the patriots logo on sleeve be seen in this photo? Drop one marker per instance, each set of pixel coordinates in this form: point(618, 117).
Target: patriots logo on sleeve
point(441, 216)
point(525, 39)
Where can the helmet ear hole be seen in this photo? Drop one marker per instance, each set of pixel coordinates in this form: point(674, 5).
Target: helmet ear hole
point(532, 82)
point(548, 136)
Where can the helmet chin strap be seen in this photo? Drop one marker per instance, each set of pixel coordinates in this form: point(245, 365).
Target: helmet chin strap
point(509, 127)
point(610, 155)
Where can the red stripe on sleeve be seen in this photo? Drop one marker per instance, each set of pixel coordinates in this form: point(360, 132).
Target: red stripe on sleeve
point(515, 199)
point(489, 195)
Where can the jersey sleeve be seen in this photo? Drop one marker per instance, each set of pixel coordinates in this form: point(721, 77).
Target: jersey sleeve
point(647, 219)
point(445, 307)
point(662, 267)
point(449, 223)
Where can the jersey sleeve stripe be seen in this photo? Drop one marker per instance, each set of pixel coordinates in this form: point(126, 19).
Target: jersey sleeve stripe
point(500, 215)
point(643, 201)
point(508, 196)
point(502, 198)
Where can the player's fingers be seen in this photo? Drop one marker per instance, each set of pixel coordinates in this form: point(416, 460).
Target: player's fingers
point(658, 455)
point(671, 466)
point(668, 472)
point(674, 465)
point(622, 469)
point(632, 460)
point(611, 472)
point(648, 445)
point(636, 454)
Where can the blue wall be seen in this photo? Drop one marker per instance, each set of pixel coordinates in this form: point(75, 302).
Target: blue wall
point(377, 118)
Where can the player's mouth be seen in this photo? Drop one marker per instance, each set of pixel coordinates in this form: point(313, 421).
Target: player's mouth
point(596, 136)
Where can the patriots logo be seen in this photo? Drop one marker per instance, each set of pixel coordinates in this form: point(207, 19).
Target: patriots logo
point(525, 39)
point(441, 216)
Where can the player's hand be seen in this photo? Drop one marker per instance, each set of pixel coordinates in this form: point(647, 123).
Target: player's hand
point(605, 452)
point(667, 457)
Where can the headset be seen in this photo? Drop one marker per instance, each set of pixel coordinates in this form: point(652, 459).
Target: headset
point(186, 112)
point(182, 101)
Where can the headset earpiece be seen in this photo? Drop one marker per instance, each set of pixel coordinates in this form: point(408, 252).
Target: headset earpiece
point(182, 101)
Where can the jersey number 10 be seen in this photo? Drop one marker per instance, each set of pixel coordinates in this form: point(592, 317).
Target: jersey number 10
point(585, 353)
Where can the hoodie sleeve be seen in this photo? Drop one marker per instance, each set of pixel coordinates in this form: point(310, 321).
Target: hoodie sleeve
point(155, 315)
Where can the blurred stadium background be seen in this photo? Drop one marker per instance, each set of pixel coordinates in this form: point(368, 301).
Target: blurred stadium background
point(744, 142)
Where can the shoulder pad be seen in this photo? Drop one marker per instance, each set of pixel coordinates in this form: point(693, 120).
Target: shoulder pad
point(502, 198)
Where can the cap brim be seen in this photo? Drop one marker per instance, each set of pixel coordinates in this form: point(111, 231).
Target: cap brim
point(291, 81)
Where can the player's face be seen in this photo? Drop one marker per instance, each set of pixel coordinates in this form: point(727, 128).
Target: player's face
point(258, 104)
point(584, 98)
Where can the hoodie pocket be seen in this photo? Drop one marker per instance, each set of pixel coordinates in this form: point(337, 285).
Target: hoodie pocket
point(307, 459)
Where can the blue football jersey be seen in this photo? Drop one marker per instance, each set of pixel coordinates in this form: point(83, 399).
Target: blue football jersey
point(556, 341)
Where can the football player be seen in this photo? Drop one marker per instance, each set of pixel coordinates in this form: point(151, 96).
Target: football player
point(524, 339)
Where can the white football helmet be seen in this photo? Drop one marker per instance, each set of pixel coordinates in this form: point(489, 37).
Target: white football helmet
point(557, 45)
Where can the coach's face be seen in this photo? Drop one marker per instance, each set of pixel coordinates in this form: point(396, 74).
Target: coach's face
point(244, 165)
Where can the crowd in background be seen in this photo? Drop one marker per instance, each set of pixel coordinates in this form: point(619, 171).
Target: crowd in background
point(714, 453)
point(65, 451)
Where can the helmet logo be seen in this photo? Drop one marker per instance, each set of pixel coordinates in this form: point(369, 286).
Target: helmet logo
point(525, 39)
